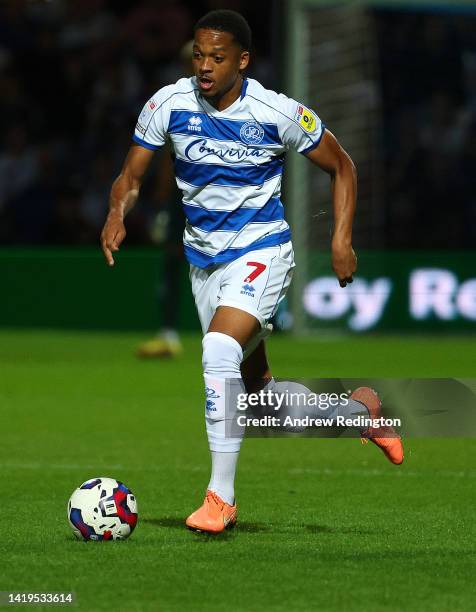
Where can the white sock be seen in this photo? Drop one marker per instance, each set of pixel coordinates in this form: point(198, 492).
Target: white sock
point(222, 356)
point(223, 475)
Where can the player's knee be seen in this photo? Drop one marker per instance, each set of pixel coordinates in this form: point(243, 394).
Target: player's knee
point(222, 355)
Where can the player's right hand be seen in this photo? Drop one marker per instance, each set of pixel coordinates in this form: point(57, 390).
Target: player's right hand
point(112, 235)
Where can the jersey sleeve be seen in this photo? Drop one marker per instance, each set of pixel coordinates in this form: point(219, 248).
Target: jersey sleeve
point(299, 127)
point(153, 122)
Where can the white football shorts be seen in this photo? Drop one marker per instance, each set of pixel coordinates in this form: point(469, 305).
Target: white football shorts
point(255, 282)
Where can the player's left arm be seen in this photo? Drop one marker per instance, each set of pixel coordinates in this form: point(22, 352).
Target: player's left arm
point(332, 158)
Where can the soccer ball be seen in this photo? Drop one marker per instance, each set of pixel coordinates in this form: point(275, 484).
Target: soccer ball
point(102, 509)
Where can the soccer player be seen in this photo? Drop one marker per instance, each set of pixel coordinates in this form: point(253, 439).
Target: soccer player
point(230, 136)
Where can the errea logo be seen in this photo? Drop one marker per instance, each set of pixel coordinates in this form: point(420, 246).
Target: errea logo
point(248, 290)
point(194, 124)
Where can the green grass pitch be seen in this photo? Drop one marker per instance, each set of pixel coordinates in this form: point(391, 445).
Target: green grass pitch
point(323, 524)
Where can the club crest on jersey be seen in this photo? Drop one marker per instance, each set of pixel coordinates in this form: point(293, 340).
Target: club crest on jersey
point(248, 290)
point(306, 118)
point(251, 133)
point(194, 124)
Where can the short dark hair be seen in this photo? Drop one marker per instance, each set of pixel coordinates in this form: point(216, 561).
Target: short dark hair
point(225, 20)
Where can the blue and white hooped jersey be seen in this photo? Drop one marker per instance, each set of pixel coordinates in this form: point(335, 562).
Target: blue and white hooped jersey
point(228, 164)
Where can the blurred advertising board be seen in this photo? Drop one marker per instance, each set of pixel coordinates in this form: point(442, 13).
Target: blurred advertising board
point(418, 291)
point(392, 291)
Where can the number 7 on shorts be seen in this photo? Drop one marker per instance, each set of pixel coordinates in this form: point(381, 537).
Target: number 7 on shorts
point(258, 269)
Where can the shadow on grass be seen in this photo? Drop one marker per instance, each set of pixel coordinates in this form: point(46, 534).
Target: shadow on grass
point(252, 527)
point(338, 530)
point(171, 522)
point(179, 523)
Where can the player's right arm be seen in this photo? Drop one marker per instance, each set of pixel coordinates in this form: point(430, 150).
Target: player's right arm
point(150, 135)
point(124, 194)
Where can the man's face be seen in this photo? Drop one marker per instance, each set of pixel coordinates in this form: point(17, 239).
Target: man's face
point(217, 61)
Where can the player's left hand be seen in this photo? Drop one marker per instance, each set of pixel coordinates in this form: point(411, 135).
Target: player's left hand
point(344, 262)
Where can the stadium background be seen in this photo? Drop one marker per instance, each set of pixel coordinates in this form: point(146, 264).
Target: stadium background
point(398, 87)
point(323, 523)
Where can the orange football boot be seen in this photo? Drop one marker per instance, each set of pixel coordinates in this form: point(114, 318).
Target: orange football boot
point(214, 516)
point(385, 437)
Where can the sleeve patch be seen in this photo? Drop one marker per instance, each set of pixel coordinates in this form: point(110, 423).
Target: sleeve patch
point(145, 115)
point(306, 118)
